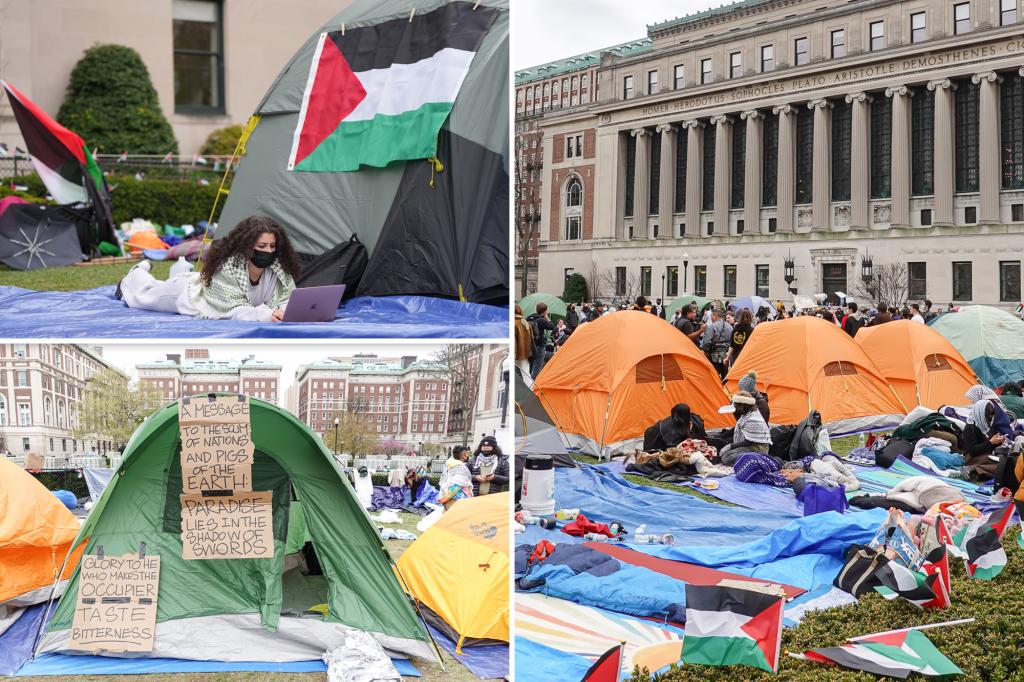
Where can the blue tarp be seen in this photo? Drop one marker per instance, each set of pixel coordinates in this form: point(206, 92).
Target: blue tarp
point(95, 313)
point(16, 643)
point(488, 662)
point(538, 663)
point(59, 664)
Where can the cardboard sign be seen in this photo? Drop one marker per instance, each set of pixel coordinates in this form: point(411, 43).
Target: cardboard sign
point(216, 444)
point(236, 526)
point(116, 606)
point(221, 409)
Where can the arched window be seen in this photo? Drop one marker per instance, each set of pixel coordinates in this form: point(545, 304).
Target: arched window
point(574, 193)
point(61, 422)
point(573, 208)
point(3, 411)
point(48, 411)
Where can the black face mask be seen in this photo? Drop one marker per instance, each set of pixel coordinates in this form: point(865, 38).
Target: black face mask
point(263, 259)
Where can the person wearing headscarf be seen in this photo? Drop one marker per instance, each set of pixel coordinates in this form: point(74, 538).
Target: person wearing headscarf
point(489, 465)
point(988, 427)
point(456, 480)
point(416, 486)
point(674, 429)
point(751, 433)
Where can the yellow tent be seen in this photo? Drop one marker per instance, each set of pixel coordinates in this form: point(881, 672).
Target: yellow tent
point(459, 570)
point(36, 531)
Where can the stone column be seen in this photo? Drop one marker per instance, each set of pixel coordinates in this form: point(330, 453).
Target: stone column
point(989, 157)
point(752, 172)
point(901, 150)
point(942, 171)
point(785, 185)
point(860, 169)
point(641, 181)
point(723, 172)
point(694, 175)
point(667, 181)
point(821, 182)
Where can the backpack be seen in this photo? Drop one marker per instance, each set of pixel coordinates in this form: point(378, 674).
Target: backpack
point(859, 575)
point(344, 264)
point(1005, 476)
point(851, 325)
point(537, 335)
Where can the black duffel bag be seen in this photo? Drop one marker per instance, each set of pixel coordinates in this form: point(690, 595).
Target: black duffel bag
point(893, 449)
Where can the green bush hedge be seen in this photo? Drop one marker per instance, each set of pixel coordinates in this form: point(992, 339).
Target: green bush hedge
point(222, 141)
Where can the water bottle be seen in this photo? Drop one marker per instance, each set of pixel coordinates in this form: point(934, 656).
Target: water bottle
point(597, 537)
point(180, 267)
point(653, 539)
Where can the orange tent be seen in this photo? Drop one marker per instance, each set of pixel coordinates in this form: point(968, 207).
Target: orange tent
point(616, 376)
point(806, 363)
point(36, 532)
point(919, 362)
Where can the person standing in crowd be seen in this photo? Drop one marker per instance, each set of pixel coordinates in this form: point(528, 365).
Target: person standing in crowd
point(541, 329)
point(915, 313)
point(658, 309)
point(853, 320)
point(740, 334)
point(456, 480)
point(751, 433)
point(688, 323)
point(572, 318)
point(716, 340)
point(524, 341)
point(489, 468)
point(882, 316)
point(561, 334)
point(927, 313)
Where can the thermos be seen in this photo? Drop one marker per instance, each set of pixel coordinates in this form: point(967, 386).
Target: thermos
point(538, 496)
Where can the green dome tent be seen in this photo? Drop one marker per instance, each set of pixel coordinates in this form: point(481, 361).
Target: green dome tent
point(246, 609)
point(556, 306)
point(678, 303)
point(434, 225)
point(990, 339)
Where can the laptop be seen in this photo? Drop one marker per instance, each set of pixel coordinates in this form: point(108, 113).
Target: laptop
point(314, 304)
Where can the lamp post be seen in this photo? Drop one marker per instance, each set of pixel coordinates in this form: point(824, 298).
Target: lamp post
point(663, 288)
point(867, 274)
point(789, 268)
point(337, 421)
point(686, 263)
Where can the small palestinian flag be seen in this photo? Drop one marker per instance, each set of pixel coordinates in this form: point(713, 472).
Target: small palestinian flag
point(59, 155)
point(895, 654)
point(937, 563)
point(982, 541)
point(123, 157)
point(732, 626)
point(169, 157)
point(606, 668)
point(899, 581)
point(377, 94)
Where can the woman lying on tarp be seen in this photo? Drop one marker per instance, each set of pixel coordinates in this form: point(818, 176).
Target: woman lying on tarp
point(248, 275)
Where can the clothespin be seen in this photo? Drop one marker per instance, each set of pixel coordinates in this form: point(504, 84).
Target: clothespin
point(412, 14)
point(211, 396)
point(241, 397)
point(99, 551)
point(343, 28)
point(142, 550)
point(476, 4)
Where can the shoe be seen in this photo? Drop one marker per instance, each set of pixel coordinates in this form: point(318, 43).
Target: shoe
point(144, 265)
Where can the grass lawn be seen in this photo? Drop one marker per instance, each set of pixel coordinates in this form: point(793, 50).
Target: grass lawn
point(73, 277)
point(431, 672)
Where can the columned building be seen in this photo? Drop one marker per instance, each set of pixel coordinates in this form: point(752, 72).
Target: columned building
point(776, 147)
point(175, 377)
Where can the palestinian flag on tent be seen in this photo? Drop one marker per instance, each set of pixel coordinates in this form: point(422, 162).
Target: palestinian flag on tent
point(982, 540)
point(895, 654)
point(62, 160)
point(899, 581)
point(606, 668)
point(732, 626)
point(380, 93)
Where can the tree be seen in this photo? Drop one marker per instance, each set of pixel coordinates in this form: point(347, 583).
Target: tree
point(111, 409)
point(222, 141)
point(575, 288)
point(112, 104)
point(890, 285)
point(461, 364)
point(527, 219)
point(355, 434)
point(610, 285)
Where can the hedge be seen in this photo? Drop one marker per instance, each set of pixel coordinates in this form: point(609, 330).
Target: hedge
point(222, 141)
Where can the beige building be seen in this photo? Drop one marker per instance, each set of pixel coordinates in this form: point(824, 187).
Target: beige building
point(41, 386)
point(210, 61)
point(774, 147)
point(196, 374)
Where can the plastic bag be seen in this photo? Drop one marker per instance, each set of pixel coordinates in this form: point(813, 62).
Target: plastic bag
point(360, 659)
point(430, 519)
point(823, 444)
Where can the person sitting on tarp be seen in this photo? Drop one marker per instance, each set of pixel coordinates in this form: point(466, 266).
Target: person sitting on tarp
point(674, 429)
point(489, 466)
point(456, 480)
point(988, 427)
point(748, 383)
point(247, 275)
point(751, 433)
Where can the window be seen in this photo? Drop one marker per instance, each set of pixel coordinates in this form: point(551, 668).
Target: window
point(1017, 213)
point(26, 444)
point(574, 193)
point(24, 417)
point(630, 173)
point(961, 18)
point(761, 281)
point(876, 33)
point(672, 280)
point(918, 27)
point(678, 76)
point(198, 56)
point(773, 225)
point(711, 227)
point(1007, 12)
point(700, 280)
point(729, 280)
point(740, 225)
point(769, 160)
point(735, 65)
point(801, 51)
point(708, 199)
point(573, 147)
point(922, 128)
point(20, 350)
point(838, 43)
point(627, 87)
point(652, 82)
point(966, 136)
point(1012, 122)
point(681, 146)
point(572, 227)
point(917, 275)
point(47, 411)
point(767, 58)
point(841, 140)
point(705, 71)
point(620, 281)
point(645, 280)
point(1009, 281)
point(654, 173)
point(739, 156)
point(881, 148)
point(3, 411)
point(804, 154)
point(926, 216)
point(22, 378)
point(962, 281)
point(970, 215)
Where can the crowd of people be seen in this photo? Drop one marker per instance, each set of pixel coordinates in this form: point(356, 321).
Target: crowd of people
point(470, 473)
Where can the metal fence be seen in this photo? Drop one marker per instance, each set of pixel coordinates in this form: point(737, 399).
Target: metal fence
point(153, 166)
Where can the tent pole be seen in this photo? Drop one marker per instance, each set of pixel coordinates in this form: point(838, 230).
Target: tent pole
point(419, 612)
point(49, 602)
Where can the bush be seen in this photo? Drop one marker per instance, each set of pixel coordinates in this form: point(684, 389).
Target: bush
point(170, 202)
point(36, 188)
point(222, 141)
point(112, 104)
point(575, 288)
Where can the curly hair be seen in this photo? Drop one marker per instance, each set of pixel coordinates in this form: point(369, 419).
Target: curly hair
point(243, 238)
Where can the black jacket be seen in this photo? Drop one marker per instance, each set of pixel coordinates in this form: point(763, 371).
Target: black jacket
point(499, 483)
